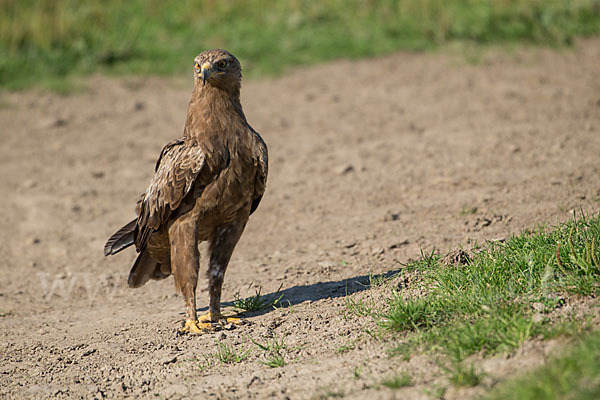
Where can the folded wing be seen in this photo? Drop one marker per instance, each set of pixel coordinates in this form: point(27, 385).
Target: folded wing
point(175, 174)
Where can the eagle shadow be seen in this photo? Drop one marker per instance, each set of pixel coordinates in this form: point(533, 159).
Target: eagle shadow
point(314, 292)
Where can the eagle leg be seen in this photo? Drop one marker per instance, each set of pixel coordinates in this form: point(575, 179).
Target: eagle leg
point(185, 259)
point(222, 243)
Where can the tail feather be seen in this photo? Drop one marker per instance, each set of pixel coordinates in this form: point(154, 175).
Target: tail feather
point(146, 268)
point(121, 239)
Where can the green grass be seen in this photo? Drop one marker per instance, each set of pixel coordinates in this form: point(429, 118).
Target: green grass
point(463, 374)
point(257, 302)
point(575, 375)
point(486, 305)
point(398, 381)
point(359, 308)
point(402, 315)
point(42, 40)
point(273, 350)
point(274, 360)
point(468, 211)
point(229, 355)
point(376, 280)
point(346, 347)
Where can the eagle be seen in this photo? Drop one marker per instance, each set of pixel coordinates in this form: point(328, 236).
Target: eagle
point(205, 186)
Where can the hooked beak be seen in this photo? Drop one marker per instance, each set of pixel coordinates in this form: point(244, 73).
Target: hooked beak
point(205, 72)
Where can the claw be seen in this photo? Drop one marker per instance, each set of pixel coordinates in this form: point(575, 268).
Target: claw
point(220, 318)
point(208, 322)
point(196, 327)
point(233, 320)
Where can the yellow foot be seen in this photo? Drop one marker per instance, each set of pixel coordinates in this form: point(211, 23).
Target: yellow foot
point(192, 326)
point(220, 318)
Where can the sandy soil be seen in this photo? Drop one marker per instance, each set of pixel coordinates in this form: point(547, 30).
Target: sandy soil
point(371, 161)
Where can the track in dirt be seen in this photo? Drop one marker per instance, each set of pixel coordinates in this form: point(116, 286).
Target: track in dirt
point(371, 161)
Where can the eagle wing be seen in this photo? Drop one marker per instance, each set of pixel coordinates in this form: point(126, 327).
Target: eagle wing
point(261, 174)
point(175, 174)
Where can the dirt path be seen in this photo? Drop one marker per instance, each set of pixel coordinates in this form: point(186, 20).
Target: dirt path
point(371, 161)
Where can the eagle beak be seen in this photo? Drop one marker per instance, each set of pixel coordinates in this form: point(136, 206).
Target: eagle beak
point(205, 72)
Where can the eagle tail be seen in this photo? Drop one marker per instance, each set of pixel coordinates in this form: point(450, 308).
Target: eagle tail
point(146, 268)
point(121, 239)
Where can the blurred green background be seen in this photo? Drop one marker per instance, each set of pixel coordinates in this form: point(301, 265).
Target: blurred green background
point(46, 41)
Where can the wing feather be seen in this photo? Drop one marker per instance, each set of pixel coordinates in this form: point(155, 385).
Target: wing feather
point(261, 174)
point(175, 174)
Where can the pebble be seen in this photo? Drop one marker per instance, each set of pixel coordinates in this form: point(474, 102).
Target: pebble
point(344, 169)
point(88, 352)
point(169, 360)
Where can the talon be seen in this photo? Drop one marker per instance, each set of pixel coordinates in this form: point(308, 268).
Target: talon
point(196, 327)
point(220, 318)
point(233, 320)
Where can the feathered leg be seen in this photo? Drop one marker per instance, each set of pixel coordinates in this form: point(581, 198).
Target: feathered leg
point(185, 259)
point(221, 245)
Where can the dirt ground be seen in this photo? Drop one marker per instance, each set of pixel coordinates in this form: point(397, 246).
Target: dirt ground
point(370, 162)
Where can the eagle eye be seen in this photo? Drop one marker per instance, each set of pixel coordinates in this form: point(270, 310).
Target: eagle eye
point(222, 64)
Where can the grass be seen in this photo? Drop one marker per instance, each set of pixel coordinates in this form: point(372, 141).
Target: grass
point(376, 280)
point(359, 308)
point(414, 314)
point(398, 381)
point(486, 305)
point(575, 375)
point(468, 211)
point(346, 347)
point(45, 40)
point(229, 355)
point(463, 374)
point(203, 364)
point(273, 349)
point(274, 360)
point(257, 302)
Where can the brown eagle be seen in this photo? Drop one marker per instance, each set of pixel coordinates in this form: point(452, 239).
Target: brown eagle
point(205, 186)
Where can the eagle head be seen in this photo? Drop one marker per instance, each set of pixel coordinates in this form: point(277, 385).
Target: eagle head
point(218, 68)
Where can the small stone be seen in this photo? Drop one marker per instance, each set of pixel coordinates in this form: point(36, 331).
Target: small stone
point(390, 216)
point(344, 169)
point(252, 380)
point(29, 184)
point(54, 122)
point(399, 244)
point(378, 251)
point(169, 360)
point(88, 352)
point(326, 264)
point(60, 122)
